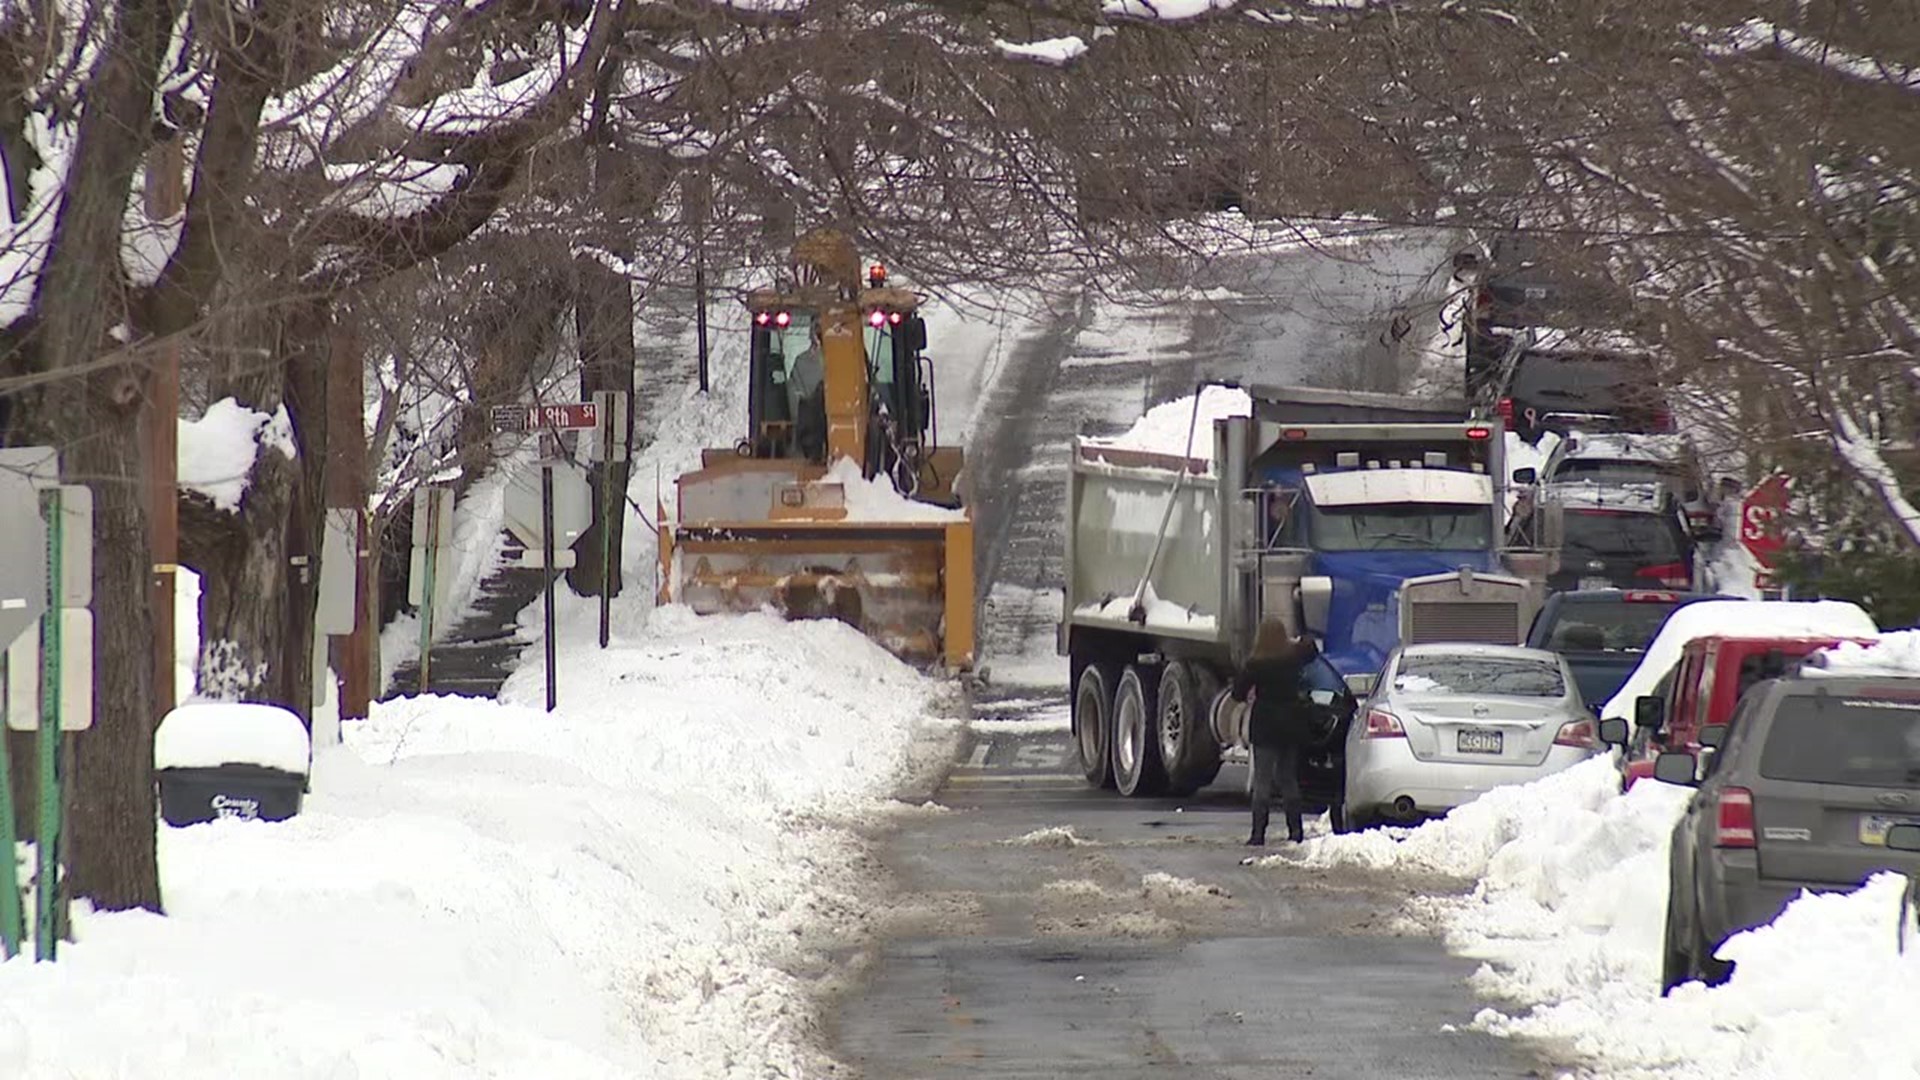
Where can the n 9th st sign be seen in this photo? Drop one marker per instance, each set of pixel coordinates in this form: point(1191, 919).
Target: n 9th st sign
point(561, 416)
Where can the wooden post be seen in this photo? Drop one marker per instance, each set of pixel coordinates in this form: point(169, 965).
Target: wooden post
point(346, 490)
point(165, 197)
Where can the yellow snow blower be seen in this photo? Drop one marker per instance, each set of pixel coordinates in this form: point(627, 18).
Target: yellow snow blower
point(837, 503)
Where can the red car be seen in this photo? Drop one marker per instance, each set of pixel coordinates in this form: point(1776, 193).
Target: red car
point(1703, 689)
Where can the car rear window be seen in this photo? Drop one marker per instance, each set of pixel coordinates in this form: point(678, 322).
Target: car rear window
point(1609, 625)
point(1510, 676)
point(1861, 741)
point(1603, 534)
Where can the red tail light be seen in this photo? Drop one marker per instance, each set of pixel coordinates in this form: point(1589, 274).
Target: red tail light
point(1577, 733)
point(1735, 825)
point(1505, 410)
point(1672, 575)
point(1662, 419)
point(1382, 724)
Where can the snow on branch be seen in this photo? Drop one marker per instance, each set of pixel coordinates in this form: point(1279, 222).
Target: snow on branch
point(1756, 35)
point(1057, 52)
point(1860, 453)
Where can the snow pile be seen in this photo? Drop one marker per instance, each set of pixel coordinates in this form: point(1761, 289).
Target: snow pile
point(876, 499)
point(1737, 618)
point(1896, 653)
point(1569, 913)
point(1164, 10)
point(206, 735)
point(1165, 427)
point(1055, 51)
point(481, 889)
point(217, 451)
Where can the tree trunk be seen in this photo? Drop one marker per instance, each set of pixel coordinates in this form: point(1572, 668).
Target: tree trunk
point(603, 323)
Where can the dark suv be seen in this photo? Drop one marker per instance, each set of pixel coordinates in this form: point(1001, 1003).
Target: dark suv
point(1593, 391)
point(1609, 536)
point(1810, 775)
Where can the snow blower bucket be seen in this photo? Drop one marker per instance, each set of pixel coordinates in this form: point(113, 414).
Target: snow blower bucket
point(230, 761)
point(907, 584)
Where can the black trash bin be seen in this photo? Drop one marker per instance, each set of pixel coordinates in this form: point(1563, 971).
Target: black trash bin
point(236, 792)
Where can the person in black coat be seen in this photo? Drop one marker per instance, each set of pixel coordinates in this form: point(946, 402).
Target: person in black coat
point(1277, 726)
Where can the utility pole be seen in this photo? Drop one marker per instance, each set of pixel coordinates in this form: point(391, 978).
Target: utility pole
point(165, 198)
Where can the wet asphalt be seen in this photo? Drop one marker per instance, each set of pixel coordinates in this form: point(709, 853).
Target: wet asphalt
point(1065, 958)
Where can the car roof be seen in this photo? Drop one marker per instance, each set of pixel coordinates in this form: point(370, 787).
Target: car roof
point(1623, 446)
point(1469, 648)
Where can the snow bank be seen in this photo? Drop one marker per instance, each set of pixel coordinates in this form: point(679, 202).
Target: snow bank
point(1165, 427)
point(1737, 618)
point(481, 889)
point(1896, 653)
point(217, 451)
point(1568, 911)
point(209, 734)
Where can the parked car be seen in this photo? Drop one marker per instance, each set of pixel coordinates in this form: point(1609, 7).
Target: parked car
point(1704, 689)
point(1799, 793)
point(1628, 458)
point(1560, 391)
point(1603, 633)
point(1611, 536)
point(1449, 722)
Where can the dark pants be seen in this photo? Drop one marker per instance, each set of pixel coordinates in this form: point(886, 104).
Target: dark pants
point(1276, 766)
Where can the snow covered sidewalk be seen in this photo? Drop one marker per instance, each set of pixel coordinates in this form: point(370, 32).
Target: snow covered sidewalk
point(1568, 913)
point(480, 889)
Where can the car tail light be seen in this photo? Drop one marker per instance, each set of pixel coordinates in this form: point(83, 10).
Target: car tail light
point(1662, 419)
point(1577, 733)
point(1734, 827)
point(1672, 575)
point(1505, 410)
point(1644, 596)
point(1382, 724)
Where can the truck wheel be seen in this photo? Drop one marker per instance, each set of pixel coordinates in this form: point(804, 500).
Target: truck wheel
point(1187, 748)
point(1136, 752)
point(1093, 722)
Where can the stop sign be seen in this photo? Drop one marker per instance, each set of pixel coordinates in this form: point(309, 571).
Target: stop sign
point(1759, 519)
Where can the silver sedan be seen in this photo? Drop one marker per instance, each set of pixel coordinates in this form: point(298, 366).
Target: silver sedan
point(1447, 723)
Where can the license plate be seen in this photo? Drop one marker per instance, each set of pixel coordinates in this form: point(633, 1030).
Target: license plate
point(1873, 827)
point(1595, 583)
point(1481, 741)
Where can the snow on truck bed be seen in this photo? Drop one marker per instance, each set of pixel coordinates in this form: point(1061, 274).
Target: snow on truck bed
point(1164, 429)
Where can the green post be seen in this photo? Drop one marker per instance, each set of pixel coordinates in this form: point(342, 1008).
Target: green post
point(12, 929)
point(47, 886)
point(606, 522)
point(430, 564)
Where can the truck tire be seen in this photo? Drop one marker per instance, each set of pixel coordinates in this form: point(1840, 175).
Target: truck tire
point(1136, 752)
point(1188, 751)
point(1093, 722)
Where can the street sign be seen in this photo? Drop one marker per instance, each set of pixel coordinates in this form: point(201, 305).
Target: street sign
point(1760, 519)
point(559, 416)
point(23, 556)
point(432, 528)
point(76, 675)
point(572, 504)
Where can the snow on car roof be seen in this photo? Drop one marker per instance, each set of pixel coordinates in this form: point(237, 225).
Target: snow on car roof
point(1737, 618)
point(1897, 653)
point(1599, 495)
point(1609, 446)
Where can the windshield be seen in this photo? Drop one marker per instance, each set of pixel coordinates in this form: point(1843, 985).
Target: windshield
point(786, 343)
point(1611, 626)
point(1402, 527)
point(1858, 741)
point(1503, 675)
point(1600, 534)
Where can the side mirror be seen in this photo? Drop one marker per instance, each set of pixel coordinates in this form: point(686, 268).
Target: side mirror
point(1713, 736)
point(1904, 837)
point(1649, 711)
point(1675, 768)
point(1613, 732)
point(1316, 603)
point(915, 332)
point(1526, 477)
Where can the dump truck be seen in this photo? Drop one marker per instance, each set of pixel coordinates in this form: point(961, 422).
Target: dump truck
point(1366, 520)
point(837, 501)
